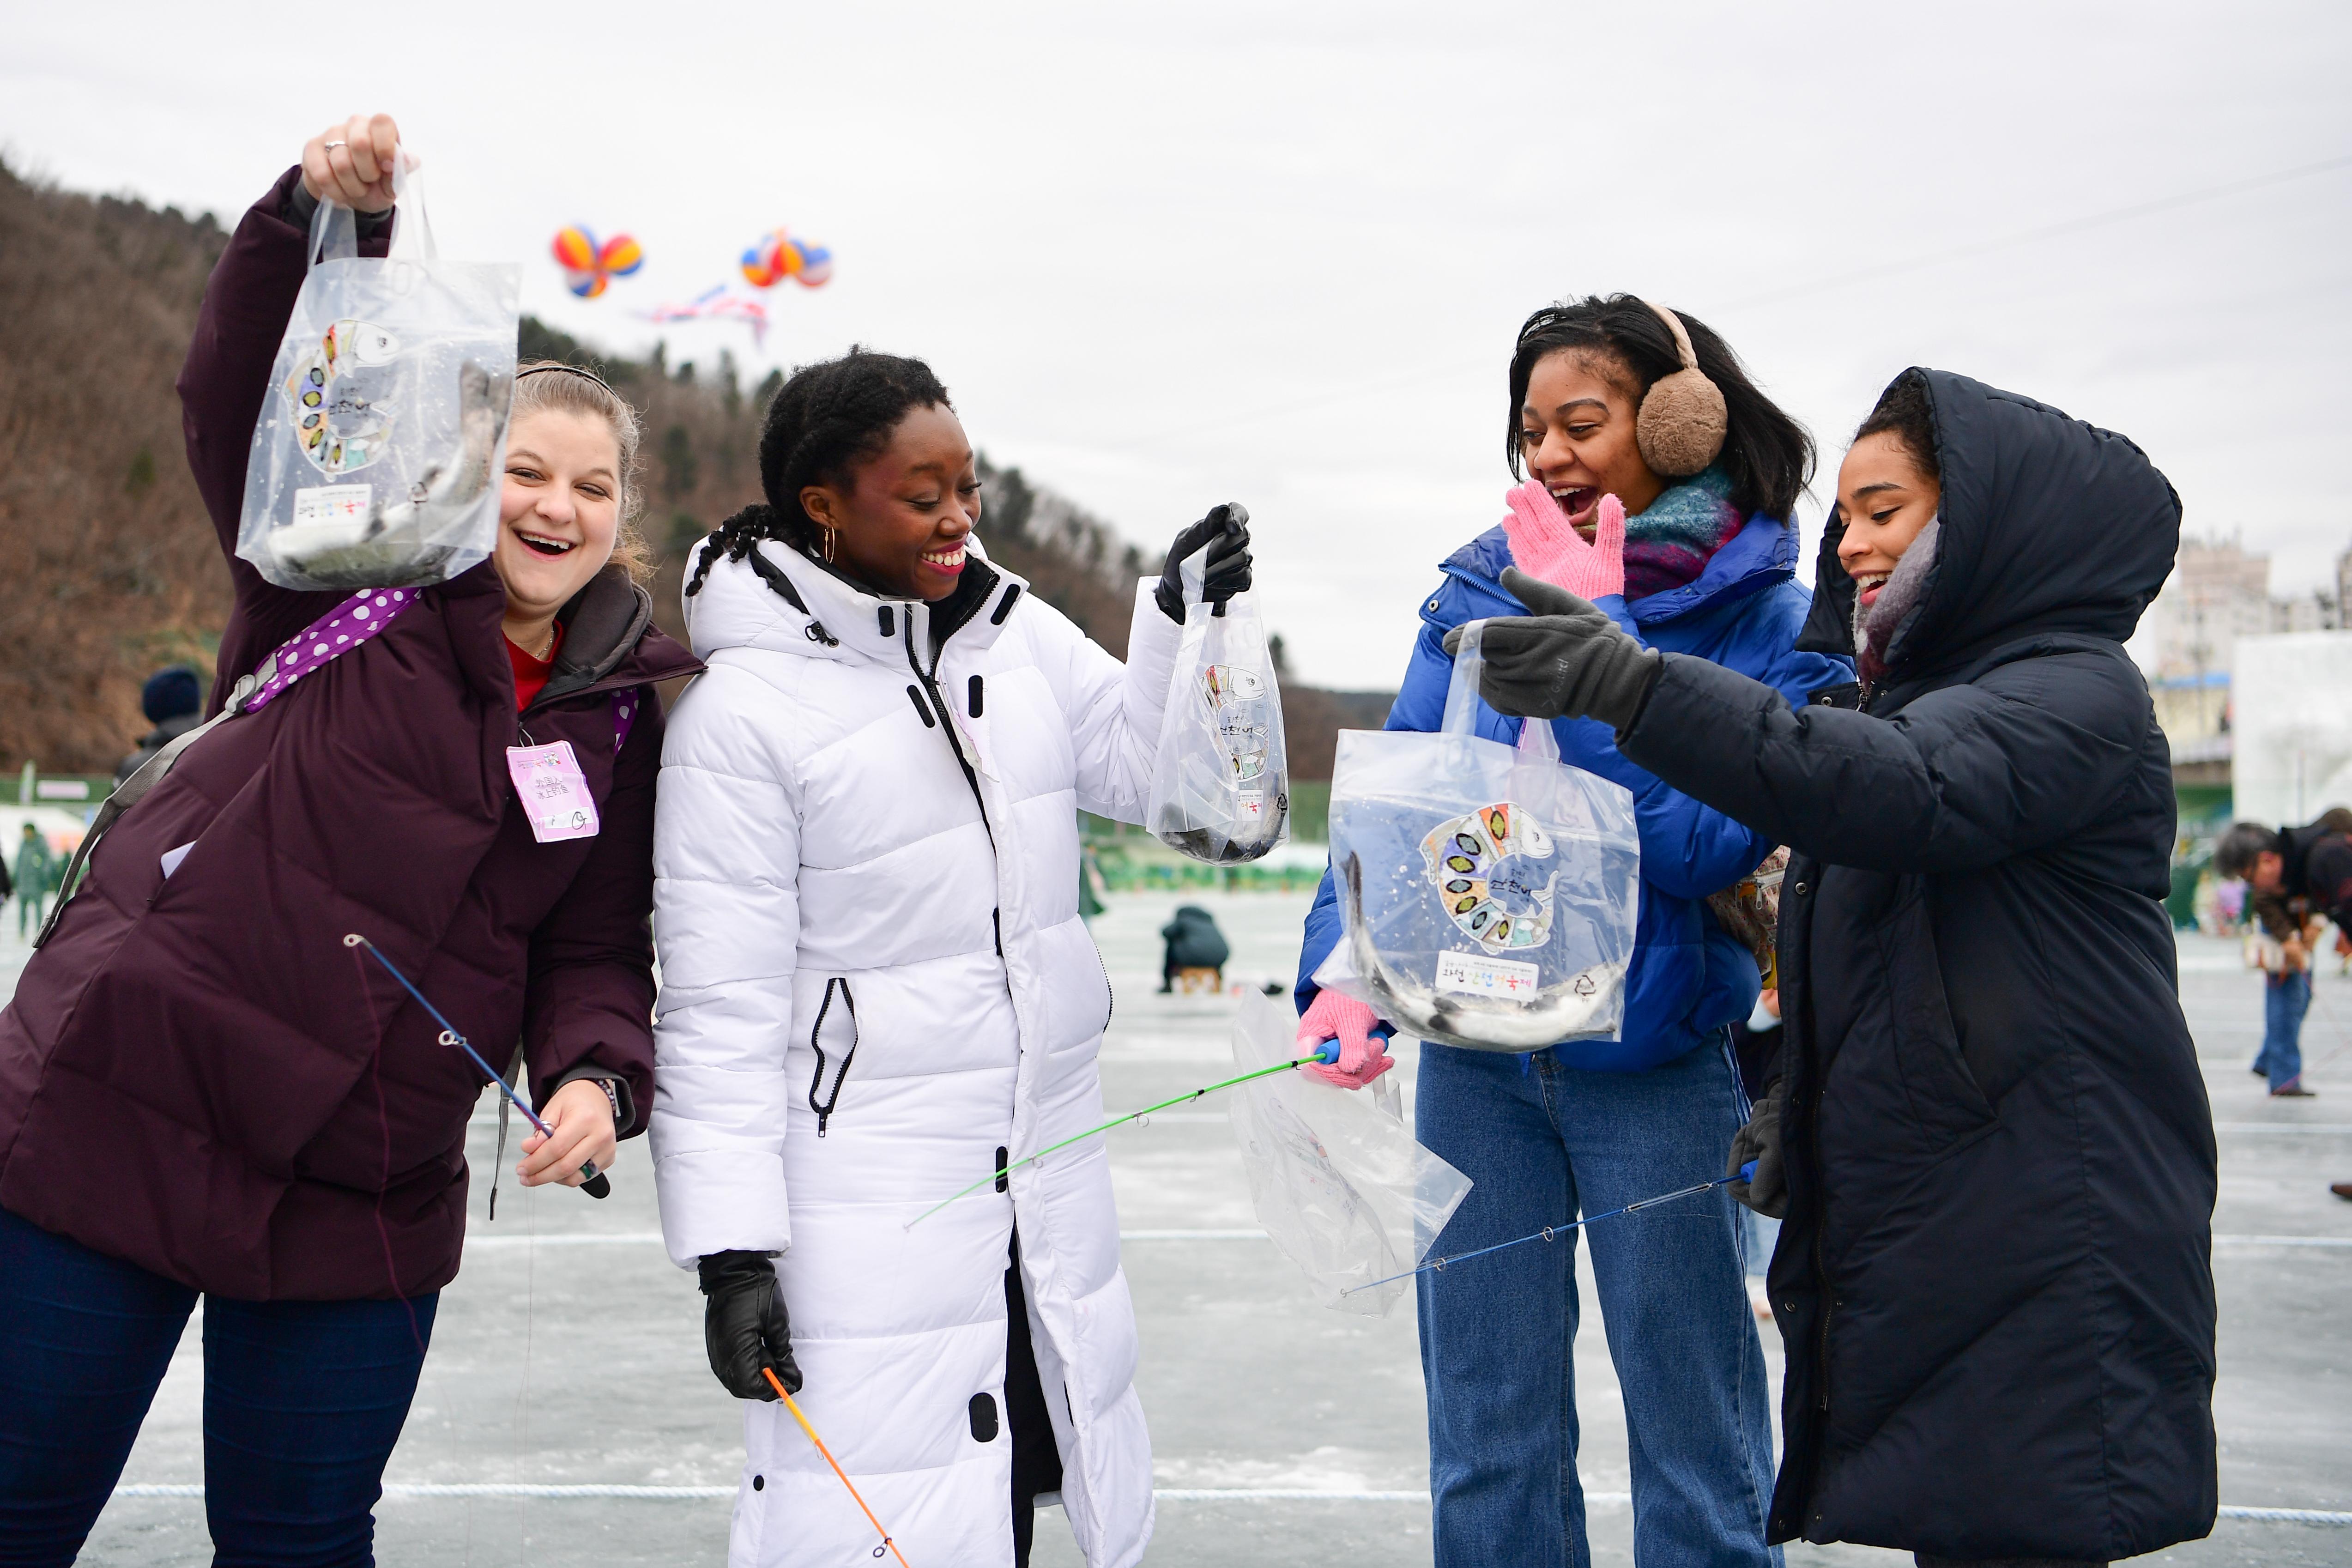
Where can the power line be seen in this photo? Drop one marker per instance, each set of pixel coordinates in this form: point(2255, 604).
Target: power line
point(2048, 231)
point(1814, 286)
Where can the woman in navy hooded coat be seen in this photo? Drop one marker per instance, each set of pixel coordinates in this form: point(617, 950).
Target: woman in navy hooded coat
point(1994, 1276)
point(1707, 571)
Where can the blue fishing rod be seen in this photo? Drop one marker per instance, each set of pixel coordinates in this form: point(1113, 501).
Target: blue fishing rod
point(596, 1186)
point(1551, 1232)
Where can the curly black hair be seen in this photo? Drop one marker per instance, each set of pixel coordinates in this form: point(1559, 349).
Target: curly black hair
point(824, 419)
point(1768, 456)
point(1904, 413)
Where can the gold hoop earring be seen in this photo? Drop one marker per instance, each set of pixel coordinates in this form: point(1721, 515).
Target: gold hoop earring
point(829, 535)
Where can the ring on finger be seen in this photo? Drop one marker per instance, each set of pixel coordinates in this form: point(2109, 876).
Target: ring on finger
point(330, 146)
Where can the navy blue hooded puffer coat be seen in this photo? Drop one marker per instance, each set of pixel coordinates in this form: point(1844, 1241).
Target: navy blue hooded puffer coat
point(1994, 1281)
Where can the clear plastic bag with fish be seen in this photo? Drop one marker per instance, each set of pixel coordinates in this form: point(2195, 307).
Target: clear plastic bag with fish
point(1334, 1174)
point(1487, 892)
point(1220, 788)
point(378, 458)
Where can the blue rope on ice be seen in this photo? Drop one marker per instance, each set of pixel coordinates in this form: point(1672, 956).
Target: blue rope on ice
point(1550, 1232)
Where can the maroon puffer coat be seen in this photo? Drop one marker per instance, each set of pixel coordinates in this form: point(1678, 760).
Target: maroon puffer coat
point(196, 1074)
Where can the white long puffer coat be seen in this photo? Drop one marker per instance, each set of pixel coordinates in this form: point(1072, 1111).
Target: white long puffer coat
point(875, 983)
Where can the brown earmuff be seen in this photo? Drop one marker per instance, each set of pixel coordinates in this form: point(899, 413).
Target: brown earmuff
point(1682, 422)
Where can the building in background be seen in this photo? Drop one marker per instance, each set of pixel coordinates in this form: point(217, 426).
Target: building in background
point(2188, 644)
point(2216, 594)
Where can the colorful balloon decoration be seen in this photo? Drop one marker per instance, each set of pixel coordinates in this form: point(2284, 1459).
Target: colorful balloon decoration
point(776, 255)
point(589, 268)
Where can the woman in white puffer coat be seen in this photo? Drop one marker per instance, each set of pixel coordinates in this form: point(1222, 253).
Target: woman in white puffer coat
point(877, 988)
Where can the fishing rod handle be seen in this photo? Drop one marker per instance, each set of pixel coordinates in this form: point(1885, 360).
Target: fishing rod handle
point(1748, 1172)
point(596, 1186)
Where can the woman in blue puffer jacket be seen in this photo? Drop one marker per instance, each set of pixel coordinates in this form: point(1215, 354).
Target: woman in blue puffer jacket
point(1618, 409)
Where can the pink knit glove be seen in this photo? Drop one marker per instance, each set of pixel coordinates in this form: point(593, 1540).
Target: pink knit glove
point(1545, 544)
point(1363, 1056)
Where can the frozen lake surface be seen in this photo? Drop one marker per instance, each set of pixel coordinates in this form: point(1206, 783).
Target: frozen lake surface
point(568, 1351)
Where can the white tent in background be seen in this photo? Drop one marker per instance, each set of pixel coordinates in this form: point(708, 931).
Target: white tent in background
point(2291, 712)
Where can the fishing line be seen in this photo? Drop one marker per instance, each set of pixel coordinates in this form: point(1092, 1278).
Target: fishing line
point(1326, 1054)
point(595, 1184)
point(383, 1124)
point(785, 1395)
point(1551, 1232)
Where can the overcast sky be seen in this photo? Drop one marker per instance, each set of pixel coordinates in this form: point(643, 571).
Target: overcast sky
point(1275, 252)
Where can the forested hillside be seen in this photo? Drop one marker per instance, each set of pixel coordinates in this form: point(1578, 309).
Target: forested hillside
point(109, 566)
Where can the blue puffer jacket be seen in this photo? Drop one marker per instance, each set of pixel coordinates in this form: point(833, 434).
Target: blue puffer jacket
point(1744, 611)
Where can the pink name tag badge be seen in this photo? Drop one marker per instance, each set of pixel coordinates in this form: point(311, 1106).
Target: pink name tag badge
point(554, 792)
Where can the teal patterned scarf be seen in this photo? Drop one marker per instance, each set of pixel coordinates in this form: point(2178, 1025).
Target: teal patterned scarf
point(1670, 544)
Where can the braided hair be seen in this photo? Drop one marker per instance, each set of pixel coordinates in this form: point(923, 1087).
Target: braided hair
point(825, 418)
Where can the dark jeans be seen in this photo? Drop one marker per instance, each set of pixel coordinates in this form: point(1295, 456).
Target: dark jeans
point(1543, 1142)
point(303, 1401)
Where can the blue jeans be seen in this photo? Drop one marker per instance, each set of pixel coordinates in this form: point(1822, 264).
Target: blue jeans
point(1496, 1334)
point(303, 1401)
point(2286, 999)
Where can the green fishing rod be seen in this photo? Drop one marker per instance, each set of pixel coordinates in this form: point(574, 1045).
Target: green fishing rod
point(1325, 1054)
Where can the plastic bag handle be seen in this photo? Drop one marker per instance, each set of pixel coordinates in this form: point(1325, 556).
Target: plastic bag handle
point(1536, 739)
point(1462, 691)
point(334, 240)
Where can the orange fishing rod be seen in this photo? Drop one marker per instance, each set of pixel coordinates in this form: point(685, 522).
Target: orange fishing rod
point(785, 1395)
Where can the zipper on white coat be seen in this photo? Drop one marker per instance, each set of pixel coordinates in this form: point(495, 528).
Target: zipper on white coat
point(824, 1109)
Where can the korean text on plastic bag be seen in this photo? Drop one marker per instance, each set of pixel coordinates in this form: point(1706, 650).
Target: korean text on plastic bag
point(1487, 892)
point(1334, 1173)
point(376, 461)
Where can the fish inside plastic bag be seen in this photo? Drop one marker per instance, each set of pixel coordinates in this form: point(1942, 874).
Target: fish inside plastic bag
point(1221, 786)
point(1487, 893)
point(1334, 1174)
point(376, 460)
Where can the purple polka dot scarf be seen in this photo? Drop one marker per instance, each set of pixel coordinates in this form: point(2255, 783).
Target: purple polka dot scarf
point(362, 617)
point(339, 630)
point(1669, 544)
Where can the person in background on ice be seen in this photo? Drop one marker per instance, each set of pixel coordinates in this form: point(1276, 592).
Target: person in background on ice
point(34, 864)
point(203, 1090)
point(2294, 877)
point(1989, 1132)
point(876, 988)
point(1192, 941)
point(174, 704)
point(1689, 535)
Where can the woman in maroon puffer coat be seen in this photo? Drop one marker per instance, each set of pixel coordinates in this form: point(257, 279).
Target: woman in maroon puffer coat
point(204, 1091)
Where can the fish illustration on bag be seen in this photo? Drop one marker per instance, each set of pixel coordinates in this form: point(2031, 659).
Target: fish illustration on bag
point(342, 426)
point(1483, 865)
point(1567, 1009)
point(353, 536)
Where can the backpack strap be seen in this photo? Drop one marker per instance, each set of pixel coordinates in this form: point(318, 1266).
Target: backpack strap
point(134, 789)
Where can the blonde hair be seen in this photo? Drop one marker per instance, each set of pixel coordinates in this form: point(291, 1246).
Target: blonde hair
point(568, 389)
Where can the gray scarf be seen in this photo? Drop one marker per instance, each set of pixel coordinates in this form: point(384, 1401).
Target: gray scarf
point(1874, 625)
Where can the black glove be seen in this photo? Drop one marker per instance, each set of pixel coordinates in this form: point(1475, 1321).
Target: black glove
point(1768, 1192)
point(1224, 532)
point(743, 1324)
point(1567, 660)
